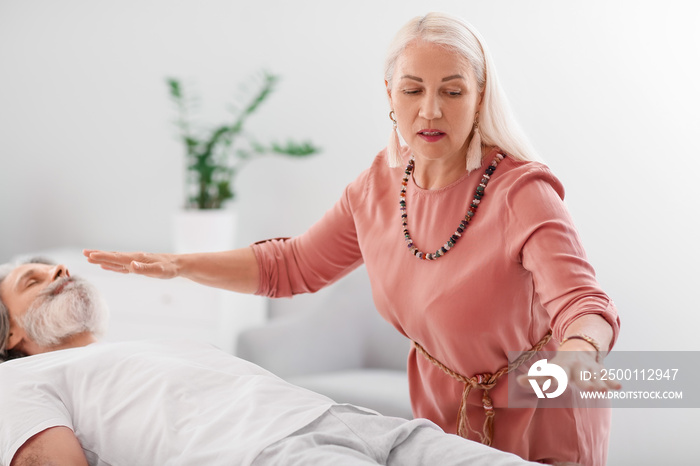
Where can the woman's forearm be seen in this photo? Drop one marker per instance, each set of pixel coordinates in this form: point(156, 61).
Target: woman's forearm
point(235, 270)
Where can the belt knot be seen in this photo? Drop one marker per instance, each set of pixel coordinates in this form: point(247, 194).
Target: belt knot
point(483, 382)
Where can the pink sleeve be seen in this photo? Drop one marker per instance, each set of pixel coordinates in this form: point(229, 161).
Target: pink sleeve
point(547, 243)
point(323, 254)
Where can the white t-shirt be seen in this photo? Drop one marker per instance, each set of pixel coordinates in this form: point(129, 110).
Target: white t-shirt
point(151, 403)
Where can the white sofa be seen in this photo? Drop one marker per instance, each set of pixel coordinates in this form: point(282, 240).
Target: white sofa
point(335, 342)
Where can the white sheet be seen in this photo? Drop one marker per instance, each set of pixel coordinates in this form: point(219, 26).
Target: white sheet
point(151, 403)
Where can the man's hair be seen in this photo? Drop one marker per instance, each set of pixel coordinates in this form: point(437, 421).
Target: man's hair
point(5, 270)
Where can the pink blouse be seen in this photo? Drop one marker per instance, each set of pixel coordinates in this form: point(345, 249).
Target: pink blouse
point(518, 271)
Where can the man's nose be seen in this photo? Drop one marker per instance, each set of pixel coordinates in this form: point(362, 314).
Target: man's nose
point(60, 271)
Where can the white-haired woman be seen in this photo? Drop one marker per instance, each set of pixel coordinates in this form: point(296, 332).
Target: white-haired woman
point(469, 248)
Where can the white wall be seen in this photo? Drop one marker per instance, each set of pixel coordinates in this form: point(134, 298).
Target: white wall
point(607, 90)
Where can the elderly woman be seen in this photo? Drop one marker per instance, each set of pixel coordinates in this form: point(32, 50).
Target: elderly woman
point(470, 251)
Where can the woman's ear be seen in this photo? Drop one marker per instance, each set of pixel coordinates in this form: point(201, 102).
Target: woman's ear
point(388, 92)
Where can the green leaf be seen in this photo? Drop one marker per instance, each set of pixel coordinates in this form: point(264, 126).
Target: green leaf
point(175, 89)
point(295, 149)
point(224, 191)
point(191, 143)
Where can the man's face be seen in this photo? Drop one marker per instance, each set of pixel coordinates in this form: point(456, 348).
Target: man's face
point(46, 305)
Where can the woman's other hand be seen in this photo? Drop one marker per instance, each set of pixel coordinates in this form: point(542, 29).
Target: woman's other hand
point(576, 357)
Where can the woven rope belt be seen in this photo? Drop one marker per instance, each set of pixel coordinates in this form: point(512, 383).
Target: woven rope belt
point(484, 382)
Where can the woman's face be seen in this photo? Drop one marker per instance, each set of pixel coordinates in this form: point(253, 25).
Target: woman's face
point(434, 96)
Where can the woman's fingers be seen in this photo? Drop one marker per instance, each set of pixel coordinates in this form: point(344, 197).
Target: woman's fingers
point(111, 268)
point(104, 257)
point(592, 378)
point(152, 265)
point(524, 380)
point(585, 372)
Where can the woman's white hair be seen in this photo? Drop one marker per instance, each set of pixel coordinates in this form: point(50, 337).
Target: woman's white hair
point(497, 124)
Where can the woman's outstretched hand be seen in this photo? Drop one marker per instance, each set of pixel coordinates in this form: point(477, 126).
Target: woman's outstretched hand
point(235, 270)
point(152, 265)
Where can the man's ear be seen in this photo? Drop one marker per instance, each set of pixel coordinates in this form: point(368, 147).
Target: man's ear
point(16, 336)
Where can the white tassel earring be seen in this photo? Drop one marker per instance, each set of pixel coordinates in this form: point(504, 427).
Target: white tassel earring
point(394, 146)
point(474, 149)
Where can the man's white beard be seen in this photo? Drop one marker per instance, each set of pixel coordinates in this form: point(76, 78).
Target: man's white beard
point(75, 309)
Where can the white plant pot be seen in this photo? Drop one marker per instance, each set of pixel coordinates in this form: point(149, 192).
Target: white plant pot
point(204, 230)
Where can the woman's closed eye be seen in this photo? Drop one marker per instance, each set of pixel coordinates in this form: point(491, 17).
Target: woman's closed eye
point(450, 93)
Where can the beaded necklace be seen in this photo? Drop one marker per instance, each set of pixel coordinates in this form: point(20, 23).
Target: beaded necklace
point(462, 225)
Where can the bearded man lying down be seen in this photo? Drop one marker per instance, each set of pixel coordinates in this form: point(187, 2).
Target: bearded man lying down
point(67, 398)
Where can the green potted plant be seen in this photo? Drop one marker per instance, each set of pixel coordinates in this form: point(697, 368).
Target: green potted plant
point(213, 159)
